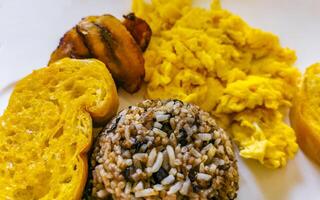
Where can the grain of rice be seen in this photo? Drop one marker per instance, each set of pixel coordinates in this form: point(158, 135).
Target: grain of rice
point(148, 170)
point(170, 104)
point(159, 132)
point(194, 152)
point(145, 193)
point(205, 136)
point(217, 141)
point(171, 155)
point(152, 156)
point(115, 137)
point(180, 176)
point(158, 187)
point(185, 187)
point(177, 162)
point(127, 132)
point(157, 125)
point(211, 152)
point(184, 110)
point(136, 163)
point(140, 156)
point(194, 129)
point(156, 166)
point(102, 194)
point(138, 126)
point(144, 147)
point(201, 168)
point(173, 171)
point(177, 149)
point(138, 187)
point(172, 123)
point(206, 148)
point(165, 163)
point(168, 180)
point(203, 177)
point(184, 149)
point(162, 117)
point(175, 188)
point(188, 130)
point(128, 162)
point(159, 113)
point(126, 154)
point(188, 167)
point(128, 188)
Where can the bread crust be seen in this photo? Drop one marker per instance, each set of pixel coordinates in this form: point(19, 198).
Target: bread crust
point(302, 114)
point(46, 130)
point(307, 136)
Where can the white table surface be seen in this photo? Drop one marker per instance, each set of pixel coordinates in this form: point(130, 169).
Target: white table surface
point(30, 31)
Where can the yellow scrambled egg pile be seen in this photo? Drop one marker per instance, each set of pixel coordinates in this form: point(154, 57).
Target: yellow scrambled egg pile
point(239, 74)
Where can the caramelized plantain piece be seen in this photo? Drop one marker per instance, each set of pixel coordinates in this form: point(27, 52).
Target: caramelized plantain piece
point(71, 45)
point(93, 34)
point(107, 39)
point(139, 29)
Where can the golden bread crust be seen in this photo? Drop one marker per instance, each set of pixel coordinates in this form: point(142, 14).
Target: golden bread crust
point(46, 130)
point(303, 113)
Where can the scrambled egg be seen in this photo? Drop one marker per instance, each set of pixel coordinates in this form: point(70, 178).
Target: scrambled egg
point(239, 74)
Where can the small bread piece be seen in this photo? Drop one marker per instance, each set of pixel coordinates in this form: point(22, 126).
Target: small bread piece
point(304, 114)
point(46, 130)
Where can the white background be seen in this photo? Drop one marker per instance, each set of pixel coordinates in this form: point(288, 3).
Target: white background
point(30, 31)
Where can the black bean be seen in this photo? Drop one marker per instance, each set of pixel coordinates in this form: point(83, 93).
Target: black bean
point(224, 167)
point(114, 124)
point(192, 174)
point(196, 188)
point(205, 143)
point(137, 145)
point(166, 127)
point(128, 172)
point(232, 197)
point(197, 121)
point(177, 100)
point(159, 175)
point(183, 139)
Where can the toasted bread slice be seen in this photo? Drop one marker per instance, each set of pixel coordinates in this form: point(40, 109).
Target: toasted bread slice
point(46, 130)
point(304, 114)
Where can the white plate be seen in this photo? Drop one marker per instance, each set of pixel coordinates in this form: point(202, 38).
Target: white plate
point(30, 30)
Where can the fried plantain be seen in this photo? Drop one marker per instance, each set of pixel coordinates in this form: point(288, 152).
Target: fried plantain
point(70, 45)
point(93, 35)
point(139, 29)
point(107, 39)
point(110, 42)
